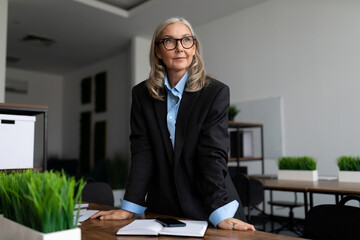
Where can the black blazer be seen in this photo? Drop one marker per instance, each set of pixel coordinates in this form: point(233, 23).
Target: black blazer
point(192, 179)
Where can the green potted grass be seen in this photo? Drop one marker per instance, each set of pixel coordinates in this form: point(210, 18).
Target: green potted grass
point(349, 168)
point(39, 205)
point(233, 111)
point(297, 168)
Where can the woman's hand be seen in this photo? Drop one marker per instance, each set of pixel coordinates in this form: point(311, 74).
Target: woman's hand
point(235, 224)
point(119, 214)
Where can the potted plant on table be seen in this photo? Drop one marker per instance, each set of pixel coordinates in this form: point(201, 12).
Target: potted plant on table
point(349, 168)
point(39, 205)
point(233, 111)
point(297, 168)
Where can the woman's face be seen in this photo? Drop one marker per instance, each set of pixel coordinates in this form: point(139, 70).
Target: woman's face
point(179, 59)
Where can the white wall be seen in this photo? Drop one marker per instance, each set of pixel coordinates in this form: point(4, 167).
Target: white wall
point(140, 68)
point(3, 34)
point(117, 114)
point(45, 90)
point(306, 51)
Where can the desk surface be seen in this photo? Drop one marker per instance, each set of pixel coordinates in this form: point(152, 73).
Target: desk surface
point(99, 230)
point(321, 186)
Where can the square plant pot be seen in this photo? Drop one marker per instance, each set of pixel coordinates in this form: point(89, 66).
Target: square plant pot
point(298, 175)
point(11, 230)
point(349, 176)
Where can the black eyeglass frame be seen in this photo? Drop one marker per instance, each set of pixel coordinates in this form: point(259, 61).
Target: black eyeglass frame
point(176, 42)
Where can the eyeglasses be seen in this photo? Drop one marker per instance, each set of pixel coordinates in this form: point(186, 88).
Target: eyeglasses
point(171, 43)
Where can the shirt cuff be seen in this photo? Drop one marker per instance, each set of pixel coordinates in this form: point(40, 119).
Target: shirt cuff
point(132, 207)
point(224, 212)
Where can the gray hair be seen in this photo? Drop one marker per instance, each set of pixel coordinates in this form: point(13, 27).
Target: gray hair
point(197, 75)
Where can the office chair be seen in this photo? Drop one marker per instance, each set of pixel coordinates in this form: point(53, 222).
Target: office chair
point(251, 193)
point(333, 221)
point(98, 192)
point(290, 224)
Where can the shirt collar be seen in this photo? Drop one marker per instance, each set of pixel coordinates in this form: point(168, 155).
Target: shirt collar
point(180, 86)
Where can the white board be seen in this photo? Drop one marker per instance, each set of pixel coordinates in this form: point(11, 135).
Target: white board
point(267, 111)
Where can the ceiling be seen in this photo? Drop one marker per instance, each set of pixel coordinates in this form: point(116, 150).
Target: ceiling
point(86, 31)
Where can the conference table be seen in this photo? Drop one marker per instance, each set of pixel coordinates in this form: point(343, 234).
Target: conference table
point(95, 229)
point(333, 187)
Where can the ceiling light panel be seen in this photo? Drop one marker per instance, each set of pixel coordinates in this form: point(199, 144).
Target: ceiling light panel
point(124, 4)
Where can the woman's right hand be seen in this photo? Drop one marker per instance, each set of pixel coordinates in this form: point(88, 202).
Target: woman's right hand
point(119, 214)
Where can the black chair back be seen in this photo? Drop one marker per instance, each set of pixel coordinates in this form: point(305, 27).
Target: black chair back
point(251, 191)
point(333, 221)
point(98, 192)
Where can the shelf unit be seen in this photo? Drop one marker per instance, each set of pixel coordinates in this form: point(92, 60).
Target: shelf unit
point(244, 125)
point(29, 110)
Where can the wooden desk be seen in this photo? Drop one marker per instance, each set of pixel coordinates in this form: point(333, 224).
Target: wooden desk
point(321, 186)
point(285, 185)
point(94, 229)
point(333, 187)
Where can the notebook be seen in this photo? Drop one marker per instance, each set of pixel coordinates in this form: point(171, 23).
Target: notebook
point(151, 227)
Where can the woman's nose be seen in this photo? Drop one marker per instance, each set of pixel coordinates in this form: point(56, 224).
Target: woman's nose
point(179, 47)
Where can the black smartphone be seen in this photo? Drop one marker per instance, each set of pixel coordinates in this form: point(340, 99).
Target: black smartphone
point(170, 222)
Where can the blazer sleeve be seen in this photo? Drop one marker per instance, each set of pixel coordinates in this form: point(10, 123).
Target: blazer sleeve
point(141, 169)
point(212, 152)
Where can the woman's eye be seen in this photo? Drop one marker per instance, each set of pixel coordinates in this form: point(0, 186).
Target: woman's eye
point(186, 39)
point(169, 41)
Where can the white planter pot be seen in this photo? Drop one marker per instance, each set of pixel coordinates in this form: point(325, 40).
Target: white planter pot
point(298, 175)
point(11, 230)
point(349, 176)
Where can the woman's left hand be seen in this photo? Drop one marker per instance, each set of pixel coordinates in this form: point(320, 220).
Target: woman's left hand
point(235, 224)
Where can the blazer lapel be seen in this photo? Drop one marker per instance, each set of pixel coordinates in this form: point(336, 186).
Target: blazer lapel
point(161, 113)
point(187, 102)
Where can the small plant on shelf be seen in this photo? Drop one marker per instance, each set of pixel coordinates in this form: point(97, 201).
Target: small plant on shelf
point(348, 163)
point(233, 111)
point(43, 201)
point(297, 163)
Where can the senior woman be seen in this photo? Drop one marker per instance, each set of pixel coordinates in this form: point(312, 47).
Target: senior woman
point(179, 137)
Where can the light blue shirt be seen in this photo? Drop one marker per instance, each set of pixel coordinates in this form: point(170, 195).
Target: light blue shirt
point(173, 103)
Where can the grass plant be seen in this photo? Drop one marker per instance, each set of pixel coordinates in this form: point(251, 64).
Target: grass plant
point(233, 111)
point(297, 163)
point(348, 163)
point(43, 201)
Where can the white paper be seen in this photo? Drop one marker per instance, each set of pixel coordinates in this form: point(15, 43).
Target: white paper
point(328, 177)
point(141, 227)
point(84, 214)
point(82, 205)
